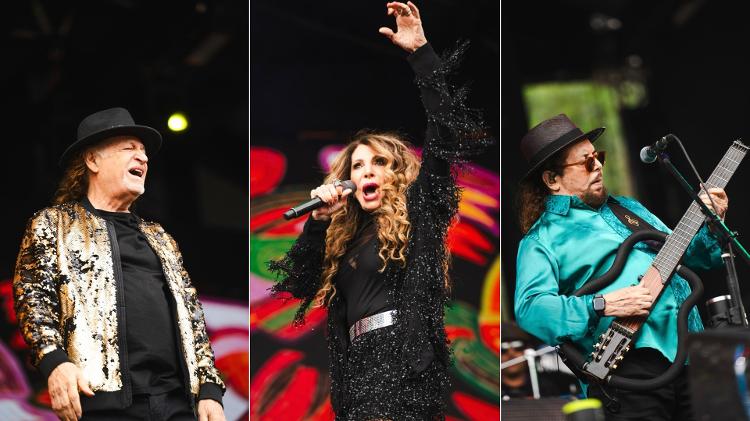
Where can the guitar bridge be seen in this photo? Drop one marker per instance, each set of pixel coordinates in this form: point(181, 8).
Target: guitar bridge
point(609, 351)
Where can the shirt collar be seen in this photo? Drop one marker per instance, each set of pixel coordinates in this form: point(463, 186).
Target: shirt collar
point(560, 204)
point(90, 207)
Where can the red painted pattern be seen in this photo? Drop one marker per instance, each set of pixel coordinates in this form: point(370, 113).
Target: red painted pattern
point(475, 409)
point(267, 169)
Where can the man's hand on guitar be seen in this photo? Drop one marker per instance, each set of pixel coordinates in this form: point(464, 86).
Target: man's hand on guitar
point(720, 199)
point(630, 301)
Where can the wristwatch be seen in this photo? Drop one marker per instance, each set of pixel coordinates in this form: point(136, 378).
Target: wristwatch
point(599, 304)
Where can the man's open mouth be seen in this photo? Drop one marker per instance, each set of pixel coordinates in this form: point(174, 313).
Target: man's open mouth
point(138, 172)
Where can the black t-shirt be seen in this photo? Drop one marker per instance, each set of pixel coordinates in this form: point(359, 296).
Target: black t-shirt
point(151, 332)
point(358, 279)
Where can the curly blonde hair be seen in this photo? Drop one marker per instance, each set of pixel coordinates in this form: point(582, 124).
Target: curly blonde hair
point(75, 181)
point(401, 169)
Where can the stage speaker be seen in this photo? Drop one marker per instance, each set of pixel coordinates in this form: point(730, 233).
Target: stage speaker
point(718, 374)
point(519, 409)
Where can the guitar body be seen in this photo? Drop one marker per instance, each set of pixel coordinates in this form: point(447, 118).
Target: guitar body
point(612, 345)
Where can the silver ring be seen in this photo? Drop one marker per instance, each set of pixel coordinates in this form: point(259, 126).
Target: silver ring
point(337, 182)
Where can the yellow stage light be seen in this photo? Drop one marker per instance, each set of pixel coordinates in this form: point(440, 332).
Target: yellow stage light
point(177, 122)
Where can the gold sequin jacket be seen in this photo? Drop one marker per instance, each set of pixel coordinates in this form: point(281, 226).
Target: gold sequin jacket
point(69, 301)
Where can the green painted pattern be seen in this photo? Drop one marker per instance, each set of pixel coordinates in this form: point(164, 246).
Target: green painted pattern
point(280, 320)
point(474, 363)
point(264, 249)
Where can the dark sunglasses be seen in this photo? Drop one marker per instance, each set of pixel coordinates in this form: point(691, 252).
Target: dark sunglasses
point(590, 161)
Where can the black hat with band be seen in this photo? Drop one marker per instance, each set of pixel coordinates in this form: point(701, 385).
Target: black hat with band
point(549, 137)
point(110, 123)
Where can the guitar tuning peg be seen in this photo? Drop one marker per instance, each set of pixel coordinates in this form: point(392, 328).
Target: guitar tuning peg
point(614, 366)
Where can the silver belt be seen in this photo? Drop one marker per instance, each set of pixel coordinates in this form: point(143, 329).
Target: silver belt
point(370, 323)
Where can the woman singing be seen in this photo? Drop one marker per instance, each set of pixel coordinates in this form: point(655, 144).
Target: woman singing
point(378, 261)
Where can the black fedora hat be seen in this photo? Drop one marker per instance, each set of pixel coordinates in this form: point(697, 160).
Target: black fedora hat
point(549, 137)
point(110, 123)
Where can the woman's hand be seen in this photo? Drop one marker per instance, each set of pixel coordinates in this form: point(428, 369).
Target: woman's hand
point(334, 197)
point(409, 34)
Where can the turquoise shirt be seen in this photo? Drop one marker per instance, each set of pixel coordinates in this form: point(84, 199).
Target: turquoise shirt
point(572, 243)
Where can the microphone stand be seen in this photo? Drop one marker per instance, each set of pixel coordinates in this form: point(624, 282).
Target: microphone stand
point(529, 355)
point(727, 238)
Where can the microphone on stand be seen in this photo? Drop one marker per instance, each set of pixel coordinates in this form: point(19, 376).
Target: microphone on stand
point(650, 153)
point(315, 202)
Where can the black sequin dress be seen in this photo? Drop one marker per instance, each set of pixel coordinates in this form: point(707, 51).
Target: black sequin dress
point(400, 372)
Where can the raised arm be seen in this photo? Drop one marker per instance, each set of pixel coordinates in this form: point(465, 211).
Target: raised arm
point(454, 131)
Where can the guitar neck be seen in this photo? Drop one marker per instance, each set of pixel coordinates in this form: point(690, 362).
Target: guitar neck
point(670, 254)
point(667, 259)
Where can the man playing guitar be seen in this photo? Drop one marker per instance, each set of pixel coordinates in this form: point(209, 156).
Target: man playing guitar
point(573, 229)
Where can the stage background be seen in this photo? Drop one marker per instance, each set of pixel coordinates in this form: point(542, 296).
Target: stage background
point(65, 60)
point(320, 72)
point(664, 67)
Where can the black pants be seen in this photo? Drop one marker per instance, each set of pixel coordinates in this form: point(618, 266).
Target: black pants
point(670, 402)
point(172, 406)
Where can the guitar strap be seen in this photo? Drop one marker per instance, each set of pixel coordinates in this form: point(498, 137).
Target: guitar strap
point(633, 222)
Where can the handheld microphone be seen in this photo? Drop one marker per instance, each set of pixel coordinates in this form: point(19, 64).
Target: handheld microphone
point(650, 153)
point(315, 203)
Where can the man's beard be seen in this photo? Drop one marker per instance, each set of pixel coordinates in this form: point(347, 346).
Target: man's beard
point(595, 199)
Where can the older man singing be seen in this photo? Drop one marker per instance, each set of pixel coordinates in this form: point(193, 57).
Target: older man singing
point(101, 295)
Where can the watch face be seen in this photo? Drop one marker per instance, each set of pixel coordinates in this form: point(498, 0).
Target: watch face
point(598, 303)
